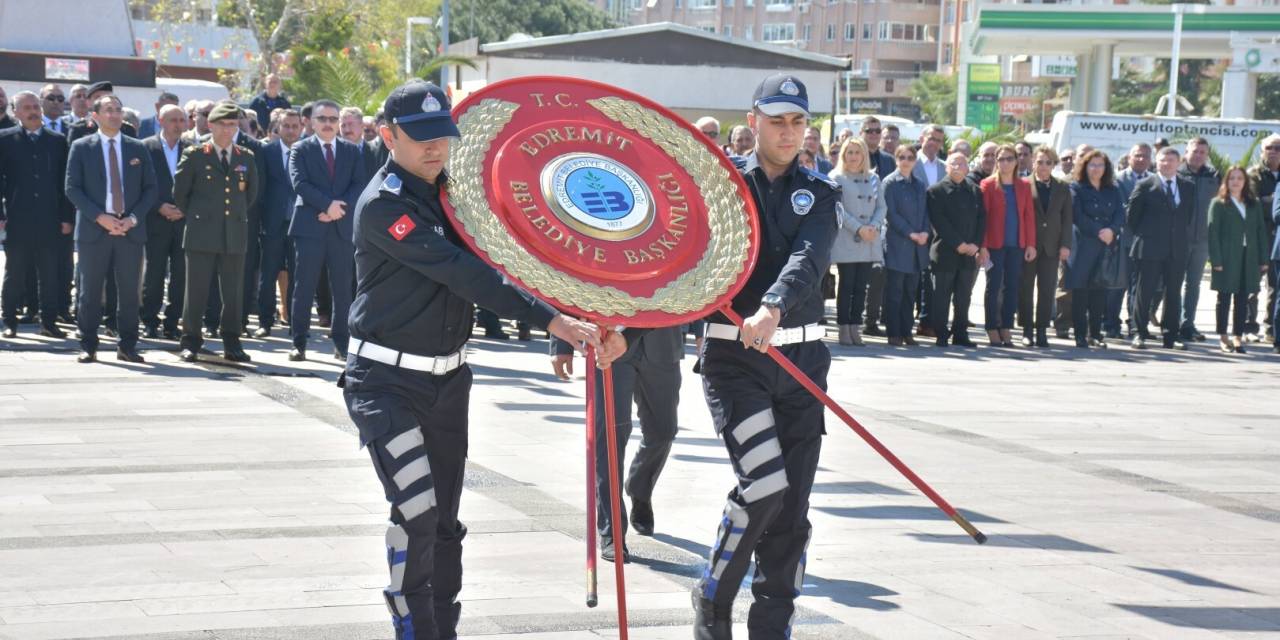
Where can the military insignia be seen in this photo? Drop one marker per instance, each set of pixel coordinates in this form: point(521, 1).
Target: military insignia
point(402, 227)
point(391, 184)
point(802, 201)
point(439, 230)
point(788, 87)
point(430, 104)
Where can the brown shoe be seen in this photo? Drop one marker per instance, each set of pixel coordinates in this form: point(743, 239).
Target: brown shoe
point(926, 331)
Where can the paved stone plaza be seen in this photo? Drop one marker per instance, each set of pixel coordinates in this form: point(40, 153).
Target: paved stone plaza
point(1127, 495)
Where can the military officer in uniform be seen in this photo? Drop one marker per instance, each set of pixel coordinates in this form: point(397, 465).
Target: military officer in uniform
point(406, 382)
point(771, 426)
point(214, 186)
point(649, 374)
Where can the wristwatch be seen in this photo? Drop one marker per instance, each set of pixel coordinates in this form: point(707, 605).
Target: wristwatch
point(771, 301)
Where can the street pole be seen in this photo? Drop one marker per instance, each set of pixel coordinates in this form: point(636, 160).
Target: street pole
point(1174, 61)
point(444, 44)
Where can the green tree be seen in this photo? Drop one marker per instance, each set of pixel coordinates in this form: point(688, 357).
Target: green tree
point(1268, 93)
point(936, 95)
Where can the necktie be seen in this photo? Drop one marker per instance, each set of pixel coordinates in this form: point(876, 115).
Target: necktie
point(328, 159)
point(34, 135)
point(117, 191)
point(226, 163)
point(1168, 188)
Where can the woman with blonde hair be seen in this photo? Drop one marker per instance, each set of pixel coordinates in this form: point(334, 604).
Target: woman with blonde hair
point(858, 247)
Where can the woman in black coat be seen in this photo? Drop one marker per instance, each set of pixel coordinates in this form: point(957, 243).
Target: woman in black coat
point(1096, 221)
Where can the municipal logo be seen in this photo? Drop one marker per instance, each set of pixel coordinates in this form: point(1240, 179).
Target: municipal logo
point(597, 196)
point(430, 104)
point(802, 201)
point(788, 87)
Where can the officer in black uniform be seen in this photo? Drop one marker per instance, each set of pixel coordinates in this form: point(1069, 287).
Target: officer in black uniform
point(649, 374)
point(771, 425)
point(406, 380)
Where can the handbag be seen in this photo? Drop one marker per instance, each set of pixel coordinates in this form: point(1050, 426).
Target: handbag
point(1108, 271)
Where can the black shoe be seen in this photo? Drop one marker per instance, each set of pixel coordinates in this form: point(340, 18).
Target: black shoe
point(110, 333)
point(324, 322)
point(496, 335)
point(1063, 334)
point(607, 552)
point(188, 355)
point(524, 334)
point(873, 329)
point(941, 342)
point(235, 354)
point(128, 355)
point(52, 331)
point(1113, 334)
point(697, 366)
point(211, 332)
point(710, 622)
point(964, 341)
point(1027, 339)
point(1042, 338)
point(642, 516)
point(1082, 343)
point(10, 331)
point(262, 332)
point(30, 318)
point(297, 355)
point(1098, 342)
point(151, 333)
point(171, 334)
point(86, 357)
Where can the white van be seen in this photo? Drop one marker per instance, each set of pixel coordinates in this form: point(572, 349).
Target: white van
point(1117, 133)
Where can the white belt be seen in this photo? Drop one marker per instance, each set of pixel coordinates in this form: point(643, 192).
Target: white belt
point(435, 365)
point(793, 335)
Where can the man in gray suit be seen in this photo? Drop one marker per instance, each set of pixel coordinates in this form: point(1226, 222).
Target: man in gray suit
point(649, 373)
point(112, 184)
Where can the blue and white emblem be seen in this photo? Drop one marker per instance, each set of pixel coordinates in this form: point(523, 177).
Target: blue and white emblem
point(430, 104)
point(788, 87)
point(802, 201)
point(598, 196)
point(391, 184)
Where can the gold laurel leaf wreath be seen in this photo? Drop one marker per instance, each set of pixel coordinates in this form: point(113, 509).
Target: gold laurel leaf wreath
point(722, 261)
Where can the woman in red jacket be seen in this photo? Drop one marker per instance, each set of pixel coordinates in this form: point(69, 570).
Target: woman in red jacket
point(1010, 240)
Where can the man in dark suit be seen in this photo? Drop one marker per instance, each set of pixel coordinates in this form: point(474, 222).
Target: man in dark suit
point(276, 204)
point(649, 374)
point(269, 100)
point(958, 218)
point(328, 175)
point(34, 213)
point(1159, 216)
point(215, 185)
point(88, 126)
point(53, 103)
point(165, 226)
point(1052, 198)
point(151, 126)
point(113, 186)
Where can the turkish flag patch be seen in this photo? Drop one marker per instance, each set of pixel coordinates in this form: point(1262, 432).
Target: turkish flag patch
point(402, 227)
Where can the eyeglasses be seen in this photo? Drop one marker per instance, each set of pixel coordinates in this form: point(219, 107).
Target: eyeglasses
point(874, 132)
point(1006, 159)
point(54, 97)
point(325, 119)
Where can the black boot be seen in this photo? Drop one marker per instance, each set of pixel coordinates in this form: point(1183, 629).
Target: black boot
point(709, 621)
point(642, 516)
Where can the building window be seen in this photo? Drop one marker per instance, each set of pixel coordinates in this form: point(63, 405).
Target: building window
point(727, 31)
point(888, 85)
point(831, 32)
point(866, 31)
point(746, 31)
point(946, 53)
point(848, 31)
point(808, 32)
point(709, 28)
point(678, 4)
point(702, 4)
point(728, 3)
point(778, 32)
point(748, 3)
point(903, 32)
point(779, 5)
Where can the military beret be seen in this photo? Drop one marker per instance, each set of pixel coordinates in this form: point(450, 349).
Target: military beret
point(104, 85)
point(225, 110)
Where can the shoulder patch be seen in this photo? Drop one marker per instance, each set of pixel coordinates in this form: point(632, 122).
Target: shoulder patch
point(802, 201)
point(391, 184)
point(401, 227)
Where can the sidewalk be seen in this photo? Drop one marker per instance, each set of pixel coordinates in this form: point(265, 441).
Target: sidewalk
point(1127, 495)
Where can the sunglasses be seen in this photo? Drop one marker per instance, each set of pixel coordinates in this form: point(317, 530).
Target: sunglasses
point(54, 98)
point(874, 132)
point(325, 119)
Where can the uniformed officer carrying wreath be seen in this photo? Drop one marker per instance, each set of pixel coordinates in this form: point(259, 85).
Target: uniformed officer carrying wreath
point(407, 385)
point(214, 185)
point(770, 424)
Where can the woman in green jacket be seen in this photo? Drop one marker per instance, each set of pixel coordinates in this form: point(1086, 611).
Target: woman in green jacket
point(1237, 251)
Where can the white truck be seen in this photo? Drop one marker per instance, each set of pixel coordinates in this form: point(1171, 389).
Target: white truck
point(1117, 133)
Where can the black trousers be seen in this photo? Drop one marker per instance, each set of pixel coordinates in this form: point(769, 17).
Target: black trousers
point(772, 428)
point(952, 288)
point(1063, 312)
point(415, 427)
point(875, 293)
point(1038, 288)
point(1087, 309)
point(26, 259)
point(851, 291)
point(277, 256)
point(202, 267)
point(1239, 319)
point(113, 258)
point(655, 386)
point(1151, 273)
point(164, 257)
point(899, 309)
